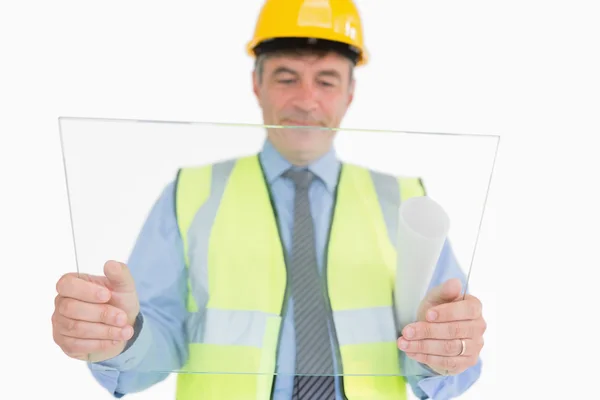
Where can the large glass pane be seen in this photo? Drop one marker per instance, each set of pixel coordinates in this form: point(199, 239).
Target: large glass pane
point(203, 216)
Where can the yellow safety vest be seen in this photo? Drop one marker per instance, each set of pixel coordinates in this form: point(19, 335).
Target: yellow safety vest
point(237, 281)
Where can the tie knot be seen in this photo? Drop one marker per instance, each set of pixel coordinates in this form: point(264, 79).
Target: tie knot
point(301, 178)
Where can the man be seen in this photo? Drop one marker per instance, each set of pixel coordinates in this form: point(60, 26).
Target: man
point(228, 272)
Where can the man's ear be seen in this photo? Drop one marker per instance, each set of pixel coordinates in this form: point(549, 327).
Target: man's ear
point(256, 86)
point(351, 91)
point(255, 82)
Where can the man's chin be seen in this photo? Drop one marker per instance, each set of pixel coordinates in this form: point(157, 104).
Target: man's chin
point(305, 133)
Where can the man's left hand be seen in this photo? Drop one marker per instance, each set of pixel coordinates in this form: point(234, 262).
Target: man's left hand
point(448, 334)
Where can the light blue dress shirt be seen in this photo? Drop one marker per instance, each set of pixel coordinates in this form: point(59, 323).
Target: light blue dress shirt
point(158, 267)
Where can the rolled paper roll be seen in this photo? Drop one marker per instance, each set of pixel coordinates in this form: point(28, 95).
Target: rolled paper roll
point(422, 230)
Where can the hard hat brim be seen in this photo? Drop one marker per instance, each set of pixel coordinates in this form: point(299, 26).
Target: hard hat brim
point(304, 43)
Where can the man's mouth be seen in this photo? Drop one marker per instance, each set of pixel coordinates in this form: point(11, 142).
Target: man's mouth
point(301, 123)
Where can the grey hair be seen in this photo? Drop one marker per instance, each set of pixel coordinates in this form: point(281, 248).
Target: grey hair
point(259, 66)
point(259, 63)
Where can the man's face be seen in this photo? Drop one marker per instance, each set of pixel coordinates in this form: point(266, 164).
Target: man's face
point(304, 90)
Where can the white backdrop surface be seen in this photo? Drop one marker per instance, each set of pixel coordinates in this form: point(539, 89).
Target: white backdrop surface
point(525, 70)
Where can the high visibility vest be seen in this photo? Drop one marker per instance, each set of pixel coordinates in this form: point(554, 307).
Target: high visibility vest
point(237, 281)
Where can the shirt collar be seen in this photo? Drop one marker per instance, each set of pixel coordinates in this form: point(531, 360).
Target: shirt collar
point(325, 168)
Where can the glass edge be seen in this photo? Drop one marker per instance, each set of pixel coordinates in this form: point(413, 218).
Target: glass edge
point(256, 125)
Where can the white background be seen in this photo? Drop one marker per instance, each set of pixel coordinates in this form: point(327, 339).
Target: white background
point(524, 70)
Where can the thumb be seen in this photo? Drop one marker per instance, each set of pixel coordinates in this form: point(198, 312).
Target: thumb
point(119, 277)
point(447, 292)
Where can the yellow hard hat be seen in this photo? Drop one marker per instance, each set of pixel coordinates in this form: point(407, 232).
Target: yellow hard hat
point(328, 24)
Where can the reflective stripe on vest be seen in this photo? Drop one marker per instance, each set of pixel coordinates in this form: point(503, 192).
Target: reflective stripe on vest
point(237, 280)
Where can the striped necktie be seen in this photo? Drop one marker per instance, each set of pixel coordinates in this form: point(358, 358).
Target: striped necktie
point(314, 378)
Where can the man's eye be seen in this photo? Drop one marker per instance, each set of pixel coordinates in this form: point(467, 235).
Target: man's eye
point(324, 83)
point(286, 81)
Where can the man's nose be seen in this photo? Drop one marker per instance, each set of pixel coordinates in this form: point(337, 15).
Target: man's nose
point(306, 98)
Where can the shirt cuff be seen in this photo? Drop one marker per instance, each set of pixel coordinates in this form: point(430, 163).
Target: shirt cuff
point(425, 382)
point(134, 352)
point(434, 386)
point(441, 387)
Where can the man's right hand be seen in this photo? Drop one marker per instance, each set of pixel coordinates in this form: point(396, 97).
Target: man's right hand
point(94, 315)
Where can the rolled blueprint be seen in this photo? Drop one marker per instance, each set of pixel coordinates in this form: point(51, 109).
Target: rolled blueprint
point(422, 230)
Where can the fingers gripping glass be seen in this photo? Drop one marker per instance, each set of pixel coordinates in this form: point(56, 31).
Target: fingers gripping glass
point(204, 221)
